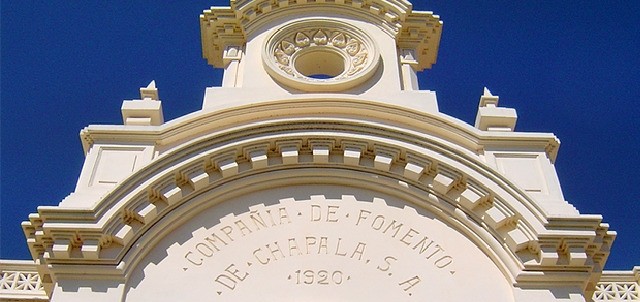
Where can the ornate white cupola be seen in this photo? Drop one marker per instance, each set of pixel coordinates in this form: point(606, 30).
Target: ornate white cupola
point(285, 49)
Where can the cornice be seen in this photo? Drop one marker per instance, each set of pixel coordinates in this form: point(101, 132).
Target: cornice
point(205, 121)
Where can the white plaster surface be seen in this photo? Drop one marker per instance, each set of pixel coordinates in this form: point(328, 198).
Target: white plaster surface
point(161, 211)
point(342, 244)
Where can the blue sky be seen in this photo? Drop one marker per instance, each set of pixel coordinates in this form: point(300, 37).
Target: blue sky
point(567, 67)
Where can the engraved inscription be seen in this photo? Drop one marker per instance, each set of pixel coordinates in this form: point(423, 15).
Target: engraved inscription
point(408, 284)
point(223, 235)
point(320, 277)
point(406, 235)
point(231, 277)
point(311, 239)
point(311, 245)
point(329, 214)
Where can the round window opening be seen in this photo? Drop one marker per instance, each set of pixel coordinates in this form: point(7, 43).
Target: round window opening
point(320, 55)
point(320, 64)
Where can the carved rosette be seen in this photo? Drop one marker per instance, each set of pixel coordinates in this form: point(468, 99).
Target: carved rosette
point(342, 54)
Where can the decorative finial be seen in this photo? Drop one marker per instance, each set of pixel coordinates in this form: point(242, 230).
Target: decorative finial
point(147, 111)
point(487, 99)
point(149, 92)
point(492, 118)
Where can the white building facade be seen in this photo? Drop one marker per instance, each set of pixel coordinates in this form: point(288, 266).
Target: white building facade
point(317, 171)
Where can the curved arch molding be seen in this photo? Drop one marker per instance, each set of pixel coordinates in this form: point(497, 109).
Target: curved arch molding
point(420, 169)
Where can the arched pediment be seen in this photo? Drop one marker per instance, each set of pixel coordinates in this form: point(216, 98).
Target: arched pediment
point(417, 167)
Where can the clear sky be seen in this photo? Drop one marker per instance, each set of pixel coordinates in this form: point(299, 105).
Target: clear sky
point(567, 67)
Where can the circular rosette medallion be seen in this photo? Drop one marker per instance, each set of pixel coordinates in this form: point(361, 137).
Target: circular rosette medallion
point(320, 55)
